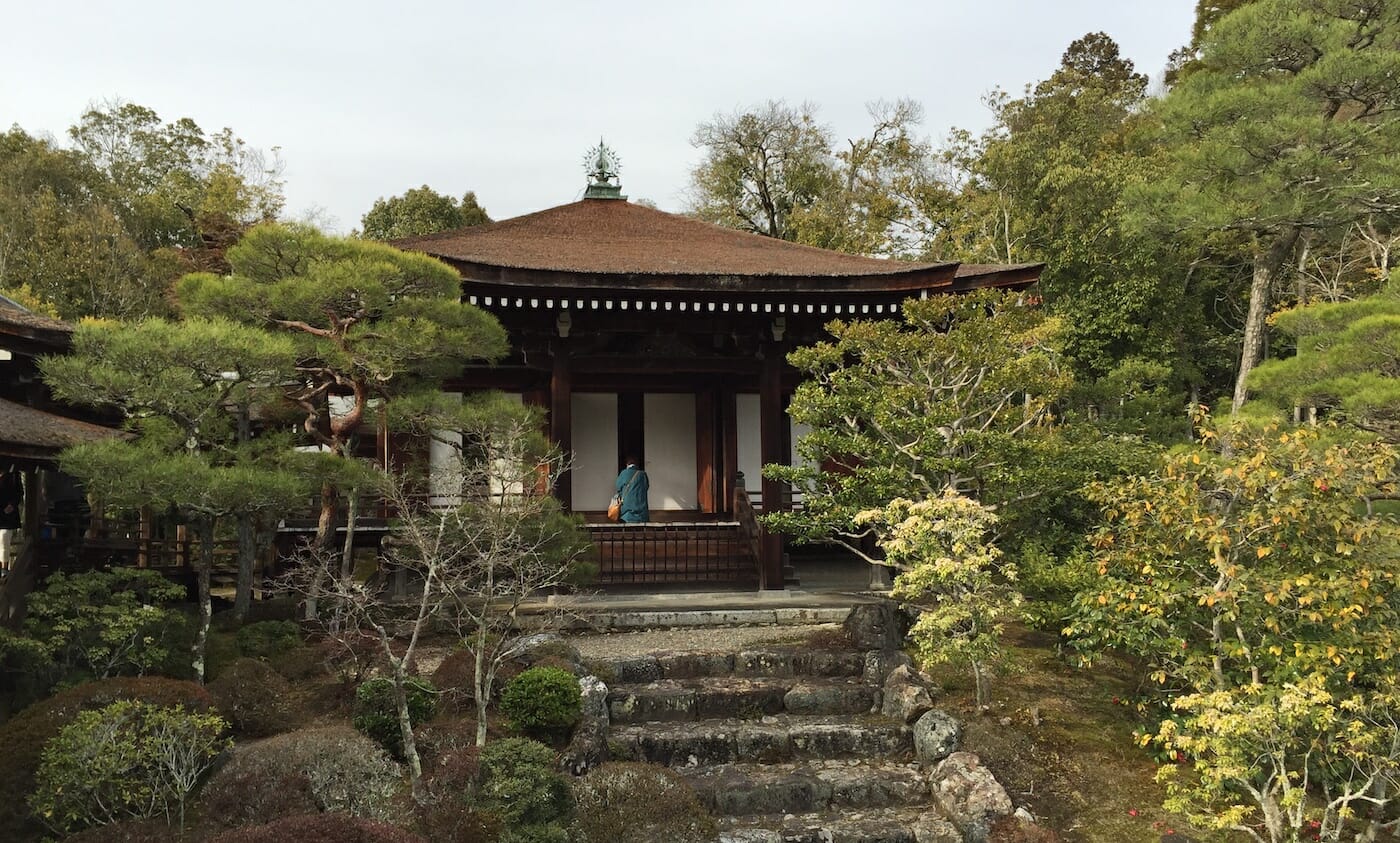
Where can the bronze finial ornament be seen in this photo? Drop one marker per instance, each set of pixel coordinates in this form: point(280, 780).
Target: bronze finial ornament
point(602, 165)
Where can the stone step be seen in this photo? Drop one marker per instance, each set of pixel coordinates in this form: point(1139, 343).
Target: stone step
point(767, 740)
point(808, 787)
point(898, 825)
point(737, 697)
point(754, 662)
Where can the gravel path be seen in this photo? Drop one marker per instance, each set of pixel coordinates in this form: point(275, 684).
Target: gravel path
point(731, 638)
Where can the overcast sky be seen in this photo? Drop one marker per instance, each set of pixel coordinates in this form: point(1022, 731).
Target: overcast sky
point(504, 98)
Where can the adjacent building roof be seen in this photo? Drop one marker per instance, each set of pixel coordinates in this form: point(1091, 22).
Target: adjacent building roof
point(17, 321)
point(26, 431)
point(616, 244)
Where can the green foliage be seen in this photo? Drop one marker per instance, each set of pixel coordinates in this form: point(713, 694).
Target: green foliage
point(104, 623)
point(420, 211)
point(1254, 580)
point(27, 672)
point(761, 166)
point(129, 759)
point(1347, 364)
point(543, 701)
point(330, 769)
point(377, 713)
point(102, 228)
point(521, 785)
point(957, 396)
point(638, 803)
point(269, 639)
point(26, 734)
point(255, 699)
point(953, 575)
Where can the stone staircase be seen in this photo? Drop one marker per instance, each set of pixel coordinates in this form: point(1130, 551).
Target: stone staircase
point(784, 745)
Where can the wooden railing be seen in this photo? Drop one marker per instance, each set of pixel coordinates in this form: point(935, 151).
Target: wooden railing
point(747, 516)
point(709, 551)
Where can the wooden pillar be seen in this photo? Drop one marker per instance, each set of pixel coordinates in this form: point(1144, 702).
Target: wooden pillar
point(771, 439)
point(706, 470)
point(729, 424)
point(561, 419)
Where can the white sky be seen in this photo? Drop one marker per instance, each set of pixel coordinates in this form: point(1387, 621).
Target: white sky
point(504, 98)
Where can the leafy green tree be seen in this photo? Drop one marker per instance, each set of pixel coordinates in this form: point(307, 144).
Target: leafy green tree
point(419, 211)
point(1283, 126)
point(1255, 582)
point(957, 396)
point(367, 322)
point(1347, 363)
point(1051, 182)
point(949, 571)
point(761, 167)
point(207, 378)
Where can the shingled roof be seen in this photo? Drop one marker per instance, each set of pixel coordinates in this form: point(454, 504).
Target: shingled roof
point(617, 239)
point(15, 321)
point(26, 431)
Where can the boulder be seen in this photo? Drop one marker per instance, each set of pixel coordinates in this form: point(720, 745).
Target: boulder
point(907, 695)
point(589, 745)
point(529, 649)
point(932, 828)
point(936, 736)
point(876, 626)
point(969, 795)
point(879, 664)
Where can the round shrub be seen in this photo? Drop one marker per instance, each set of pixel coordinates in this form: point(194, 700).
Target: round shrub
point(255, 699)
point(320, 828)
point(543, 701)
point(332, 769)
point(268, 639)
point(377, 714)
point(27, 672)
point(455, 680)
point(520, 784)
point(638, 803)
point(127, 760)
point(24, 736)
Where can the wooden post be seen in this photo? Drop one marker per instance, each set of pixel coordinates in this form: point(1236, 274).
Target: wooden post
point(561, 424)
point(705, 474)
point(729, 424)
point(771, 439)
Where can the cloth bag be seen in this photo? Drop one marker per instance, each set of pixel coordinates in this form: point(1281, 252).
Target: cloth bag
point(615, 505)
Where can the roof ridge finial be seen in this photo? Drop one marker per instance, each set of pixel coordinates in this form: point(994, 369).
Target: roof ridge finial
point(603, 165)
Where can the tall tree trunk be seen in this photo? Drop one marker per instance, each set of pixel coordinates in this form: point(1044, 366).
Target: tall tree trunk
point(347, 555)
point(1267, 262)
point(410, 745)
point(247, 556)
point(205, 529)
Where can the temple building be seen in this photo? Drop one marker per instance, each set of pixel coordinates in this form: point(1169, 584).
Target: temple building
point(648, 334)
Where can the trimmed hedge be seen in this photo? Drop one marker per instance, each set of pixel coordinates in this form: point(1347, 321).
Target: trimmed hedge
point(543, 701)
point(24, 736)
point(255, 699)
point(638, 803)
point(320, 828)
point(332, 769)
point(377, 714)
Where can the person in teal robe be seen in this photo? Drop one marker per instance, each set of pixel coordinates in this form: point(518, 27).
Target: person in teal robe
point(634, 494)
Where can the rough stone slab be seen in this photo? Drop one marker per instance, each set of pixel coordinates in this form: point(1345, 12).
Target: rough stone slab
point(602, 621)
point(771, 739)
point(828, 698)
point(877, 826)
point(767, 662)
point(808, 787)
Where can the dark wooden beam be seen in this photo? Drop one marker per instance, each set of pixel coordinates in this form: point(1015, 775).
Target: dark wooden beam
point(771, 438)
point(561, 424)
